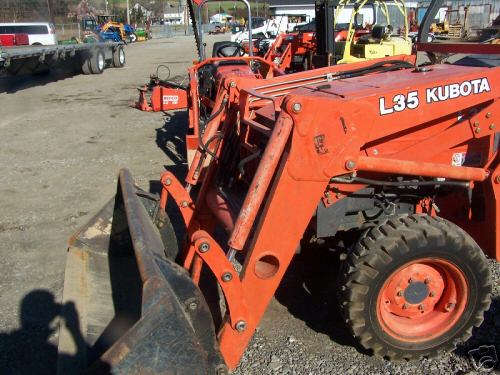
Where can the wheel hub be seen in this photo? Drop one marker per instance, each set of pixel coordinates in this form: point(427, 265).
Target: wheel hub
point(421, 299)
point(416, 292)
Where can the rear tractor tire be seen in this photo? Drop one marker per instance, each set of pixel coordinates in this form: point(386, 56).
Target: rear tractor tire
point(414, 286)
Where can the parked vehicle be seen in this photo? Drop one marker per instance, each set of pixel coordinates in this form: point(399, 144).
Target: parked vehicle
point(87, 58)
point(9, 40)
point(39, 33)
point(112, 28)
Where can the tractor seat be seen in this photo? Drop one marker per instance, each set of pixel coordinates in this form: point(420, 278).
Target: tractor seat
point(378, 33)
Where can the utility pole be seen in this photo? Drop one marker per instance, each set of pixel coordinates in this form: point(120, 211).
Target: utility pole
point(128, 13)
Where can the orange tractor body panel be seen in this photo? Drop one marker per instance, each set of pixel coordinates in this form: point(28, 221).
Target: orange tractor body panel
point(436, 122)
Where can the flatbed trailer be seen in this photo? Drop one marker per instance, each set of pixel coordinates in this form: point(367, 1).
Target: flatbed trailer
point(88, 58)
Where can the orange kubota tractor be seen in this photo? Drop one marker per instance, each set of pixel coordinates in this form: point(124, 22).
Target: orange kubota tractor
point(394, 163)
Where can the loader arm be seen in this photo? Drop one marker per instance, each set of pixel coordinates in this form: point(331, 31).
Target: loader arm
point(307, 160)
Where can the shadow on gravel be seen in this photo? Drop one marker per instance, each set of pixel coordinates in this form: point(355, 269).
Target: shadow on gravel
point(27, 350)
point(485, 337)
point(11, 85)
point(308, 290)
point(170, 138)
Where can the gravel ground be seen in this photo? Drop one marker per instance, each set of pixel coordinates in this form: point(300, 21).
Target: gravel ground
point(304, 334)
point(62, 139)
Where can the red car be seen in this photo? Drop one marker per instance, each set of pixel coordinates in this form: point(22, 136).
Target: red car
point(8, 40)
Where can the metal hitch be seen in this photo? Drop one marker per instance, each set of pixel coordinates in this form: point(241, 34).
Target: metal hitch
point(127, 307)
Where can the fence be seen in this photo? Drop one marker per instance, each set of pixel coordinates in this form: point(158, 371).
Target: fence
point(68, 30)
point(73, 30)
point(169, 31)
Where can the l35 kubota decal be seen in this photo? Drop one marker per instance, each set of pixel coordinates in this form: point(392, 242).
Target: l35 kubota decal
point(436, 94)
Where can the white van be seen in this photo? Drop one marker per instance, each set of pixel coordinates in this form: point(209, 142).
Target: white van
point(39, 33)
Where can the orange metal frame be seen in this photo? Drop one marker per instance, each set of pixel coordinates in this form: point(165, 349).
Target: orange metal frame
point(316, 129)
point(162, 98)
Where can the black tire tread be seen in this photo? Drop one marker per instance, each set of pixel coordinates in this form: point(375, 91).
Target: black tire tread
point(382, 244)
point(116, 58)
point(94, 65)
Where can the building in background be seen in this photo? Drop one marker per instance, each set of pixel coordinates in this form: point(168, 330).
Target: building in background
point(471, 14)
point(221, 18)
point(468, 15)
point(173, 18)
point(302, 8)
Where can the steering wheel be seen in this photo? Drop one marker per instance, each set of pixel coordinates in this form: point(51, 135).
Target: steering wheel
point(230, 50)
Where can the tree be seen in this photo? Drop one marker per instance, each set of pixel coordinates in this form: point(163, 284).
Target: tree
point(133, 15)
point(140, 15)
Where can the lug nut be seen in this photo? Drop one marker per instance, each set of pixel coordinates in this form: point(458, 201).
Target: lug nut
point(193, 306)
point(204, 247)
point(492, 126)
point(184, 204)
point(296, 107)
point(241, 325)
point(400, 293)
point(432, 294)
point(476, 124)
point(168, 181)
point(488, 114)
point(427, 280)
point(232, 84)
point(421, 307)
point(350, 164)
point(405, 306)
point(478, 130)
point(226, 276)
point(449, 306)
point(497, 179)
point(410, 280)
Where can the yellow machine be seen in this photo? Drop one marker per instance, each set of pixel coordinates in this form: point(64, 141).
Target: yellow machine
point(381, 41)
point(126, 32)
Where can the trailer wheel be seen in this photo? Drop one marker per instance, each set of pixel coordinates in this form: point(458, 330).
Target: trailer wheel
point(119, 57)
point(86, 66)
point(97, 62)
point(132, 38)
point(414, 286)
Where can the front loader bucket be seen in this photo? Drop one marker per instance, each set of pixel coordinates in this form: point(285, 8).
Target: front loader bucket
point(127, 308)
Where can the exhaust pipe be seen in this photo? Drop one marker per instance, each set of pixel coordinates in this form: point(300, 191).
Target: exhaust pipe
point(128, 308)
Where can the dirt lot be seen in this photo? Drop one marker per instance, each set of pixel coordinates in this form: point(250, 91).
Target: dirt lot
point(63, 139)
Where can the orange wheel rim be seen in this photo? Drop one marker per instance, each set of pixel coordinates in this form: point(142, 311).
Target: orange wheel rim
point(422, 300)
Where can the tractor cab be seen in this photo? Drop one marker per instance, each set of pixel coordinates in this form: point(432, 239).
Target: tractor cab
point(89, 24)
